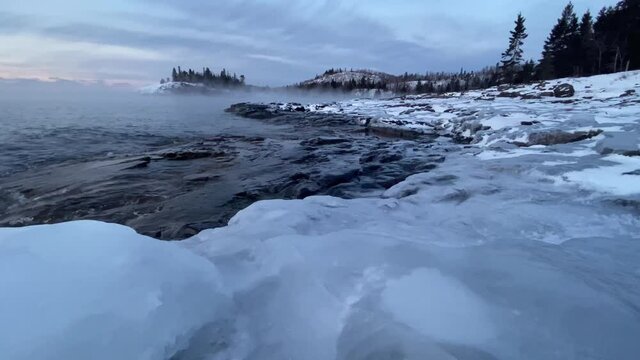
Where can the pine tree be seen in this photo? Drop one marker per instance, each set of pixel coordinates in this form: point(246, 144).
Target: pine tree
point(419, 87)
point(561, 49)
point(588, 47)
point(512, 58)
point(174, 75)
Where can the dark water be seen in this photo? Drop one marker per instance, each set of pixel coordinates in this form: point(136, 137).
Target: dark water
point(51, 129)
point(170, 166)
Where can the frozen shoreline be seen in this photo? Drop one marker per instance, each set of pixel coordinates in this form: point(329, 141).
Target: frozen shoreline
point(503, 251)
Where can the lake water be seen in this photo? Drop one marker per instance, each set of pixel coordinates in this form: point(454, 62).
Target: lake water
point(171, 166)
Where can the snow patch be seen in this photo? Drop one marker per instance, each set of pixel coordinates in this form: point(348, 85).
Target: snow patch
point(620, 178)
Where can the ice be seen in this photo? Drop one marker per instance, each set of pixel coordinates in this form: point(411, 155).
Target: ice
point(469, 261)
point(89, 290)
point(440, 307)
point(621, 176)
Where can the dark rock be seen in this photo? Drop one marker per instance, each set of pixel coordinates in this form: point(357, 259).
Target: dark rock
point(628, 93)
point(558, 137)
point(387, 131)
point(253, 111)
point(336, 179)
point(564, 91)
point(509, 94)
point(542, 85)
point(389, 158)
point(635, 172)
point(323, 141)
point(531, 97)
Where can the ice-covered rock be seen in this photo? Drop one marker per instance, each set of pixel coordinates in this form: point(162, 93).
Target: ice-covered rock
point(89, 290)
point(623, 143)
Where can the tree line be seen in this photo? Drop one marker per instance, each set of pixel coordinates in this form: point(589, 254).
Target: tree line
point(431, 82)
point(206, 77)
point(578, 46)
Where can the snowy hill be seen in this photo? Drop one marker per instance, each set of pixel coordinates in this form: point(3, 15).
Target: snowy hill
point(175, 88)
point(524, 243)
point(344, 77)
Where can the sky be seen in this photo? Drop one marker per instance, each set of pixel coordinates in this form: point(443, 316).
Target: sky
point(271, 42)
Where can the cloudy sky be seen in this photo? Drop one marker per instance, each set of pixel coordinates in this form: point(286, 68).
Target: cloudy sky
point(272, 42)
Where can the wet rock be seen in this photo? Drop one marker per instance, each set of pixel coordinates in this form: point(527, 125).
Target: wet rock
point(396, 132)
point(253, 111)
point(389, 158)
point(529, 123)
point(340, 178)
point(628, 93)
point(509, 94)
point(558, 137)
point(324, 141)
point(564, 91)
point(622, 143)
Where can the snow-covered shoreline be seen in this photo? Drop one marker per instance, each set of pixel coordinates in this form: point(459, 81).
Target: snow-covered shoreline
point(510, 249)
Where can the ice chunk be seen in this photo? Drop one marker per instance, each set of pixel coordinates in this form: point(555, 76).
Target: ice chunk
point(89, 290)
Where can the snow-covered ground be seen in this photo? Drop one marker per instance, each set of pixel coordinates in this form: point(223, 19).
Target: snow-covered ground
point(344, 77)
point(511, 249)
point(170, 88)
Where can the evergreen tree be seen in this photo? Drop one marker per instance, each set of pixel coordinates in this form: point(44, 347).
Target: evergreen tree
point(561, 49)
point(528, 72)
point(588, 47)
point(512, 58)
point(419, 87)
point(617, 33)
point(174, 75)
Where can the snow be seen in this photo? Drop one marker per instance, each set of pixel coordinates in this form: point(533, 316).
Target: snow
point(501, 252)
point(344, 77)
point(173, 87)
point(614, 179)
point(88, 290)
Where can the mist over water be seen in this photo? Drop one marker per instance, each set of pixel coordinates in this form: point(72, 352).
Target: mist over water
point(61, 122)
